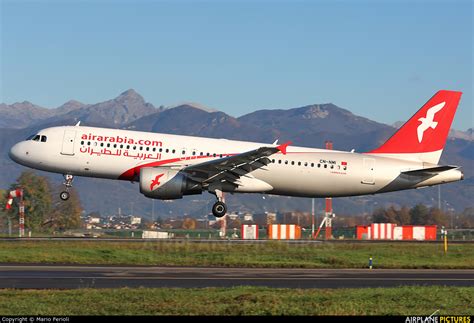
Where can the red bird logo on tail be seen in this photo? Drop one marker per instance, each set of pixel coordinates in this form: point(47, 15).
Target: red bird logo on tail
point(155, 182)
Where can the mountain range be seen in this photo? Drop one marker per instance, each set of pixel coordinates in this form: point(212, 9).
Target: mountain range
point(308, 126)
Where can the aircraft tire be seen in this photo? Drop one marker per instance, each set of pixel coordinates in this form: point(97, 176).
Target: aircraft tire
point(64, 195)
point(219, 209)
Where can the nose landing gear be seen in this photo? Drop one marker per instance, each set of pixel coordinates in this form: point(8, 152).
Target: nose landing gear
point(64, 195)
point(219, 209)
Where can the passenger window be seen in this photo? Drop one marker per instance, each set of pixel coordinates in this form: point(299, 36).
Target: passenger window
point(292, 163)
point(88, 143)
point(306, 164)
point(147, 148)
point(161, 149)
point(121, 146)
point(332, 166)
point(102, 144)
point(286, 162)
point(312, 164)
point(82, 142)
point(167, 150)
point(325, 165)
point(108, 145)
point(184, 152)
point(201, 153)
point(115, 145)
point(299, 163)
point(279, 161)
point(154, 149)
point(173, 151)
point(194, 153)
point(273, 161)
point(319, 165)
point(128, 146)
point(141, 147)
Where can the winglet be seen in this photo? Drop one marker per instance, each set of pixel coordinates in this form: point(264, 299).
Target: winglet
point(283, 147)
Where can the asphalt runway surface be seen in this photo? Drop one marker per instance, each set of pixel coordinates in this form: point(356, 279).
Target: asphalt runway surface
point(72, 277)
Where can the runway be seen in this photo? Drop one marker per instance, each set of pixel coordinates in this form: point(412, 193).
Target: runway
point(72, 277)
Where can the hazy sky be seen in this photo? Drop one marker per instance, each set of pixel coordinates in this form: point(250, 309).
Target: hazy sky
point(379, 59)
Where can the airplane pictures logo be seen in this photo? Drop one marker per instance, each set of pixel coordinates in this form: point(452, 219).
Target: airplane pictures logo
point(427, 122)
point(439, 319)
point(155, 182)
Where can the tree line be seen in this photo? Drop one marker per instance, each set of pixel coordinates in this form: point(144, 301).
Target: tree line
point(420, 214)
point(44, 210)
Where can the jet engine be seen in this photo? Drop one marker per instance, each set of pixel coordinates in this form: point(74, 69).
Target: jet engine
point(166, 184)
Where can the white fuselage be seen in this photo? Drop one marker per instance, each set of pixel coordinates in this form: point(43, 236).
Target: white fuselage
point(306, 172)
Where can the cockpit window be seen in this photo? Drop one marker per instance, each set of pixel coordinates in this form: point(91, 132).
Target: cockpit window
point(43, 138)
point(30, 137)
point(36, 138)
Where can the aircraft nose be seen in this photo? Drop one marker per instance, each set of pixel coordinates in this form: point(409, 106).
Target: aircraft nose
point(15, 153)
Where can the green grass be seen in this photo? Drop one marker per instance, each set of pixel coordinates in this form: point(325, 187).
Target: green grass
point(414, 300)
point(270, 254)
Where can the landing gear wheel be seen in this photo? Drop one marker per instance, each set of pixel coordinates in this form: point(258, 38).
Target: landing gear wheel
point(219, 209)
point(64, 196)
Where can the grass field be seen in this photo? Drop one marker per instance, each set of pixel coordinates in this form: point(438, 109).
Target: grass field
point(270, 254)
point(415, 300)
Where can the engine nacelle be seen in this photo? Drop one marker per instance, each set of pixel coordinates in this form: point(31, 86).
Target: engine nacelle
point(166, 184)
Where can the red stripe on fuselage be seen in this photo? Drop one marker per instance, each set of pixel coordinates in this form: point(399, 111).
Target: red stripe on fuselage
point(133, 173)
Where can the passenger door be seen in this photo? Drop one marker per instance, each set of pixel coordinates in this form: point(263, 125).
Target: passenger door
point(68, 142)
point(368, 174)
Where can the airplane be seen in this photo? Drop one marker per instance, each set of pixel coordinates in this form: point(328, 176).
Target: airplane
point(171, 166)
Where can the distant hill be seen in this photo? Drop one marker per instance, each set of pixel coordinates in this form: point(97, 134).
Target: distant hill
point(21, 115)
point(307, 126)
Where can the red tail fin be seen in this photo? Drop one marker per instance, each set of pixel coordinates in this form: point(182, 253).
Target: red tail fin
point(427, 130)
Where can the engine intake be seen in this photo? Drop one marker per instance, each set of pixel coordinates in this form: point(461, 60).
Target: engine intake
point(166, 184)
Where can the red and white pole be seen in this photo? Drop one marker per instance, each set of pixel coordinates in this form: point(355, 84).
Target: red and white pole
point(328, 218)
point(328, 212)
point(21, 210)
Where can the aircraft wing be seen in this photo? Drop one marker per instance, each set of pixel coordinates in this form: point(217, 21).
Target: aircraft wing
point(231, 168)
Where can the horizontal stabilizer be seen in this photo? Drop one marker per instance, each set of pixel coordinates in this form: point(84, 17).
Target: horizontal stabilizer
point(429, 171)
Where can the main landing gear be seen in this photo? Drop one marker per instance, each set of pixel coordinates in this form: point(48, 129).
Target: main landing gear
point(64, 195)
point(219, 209)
